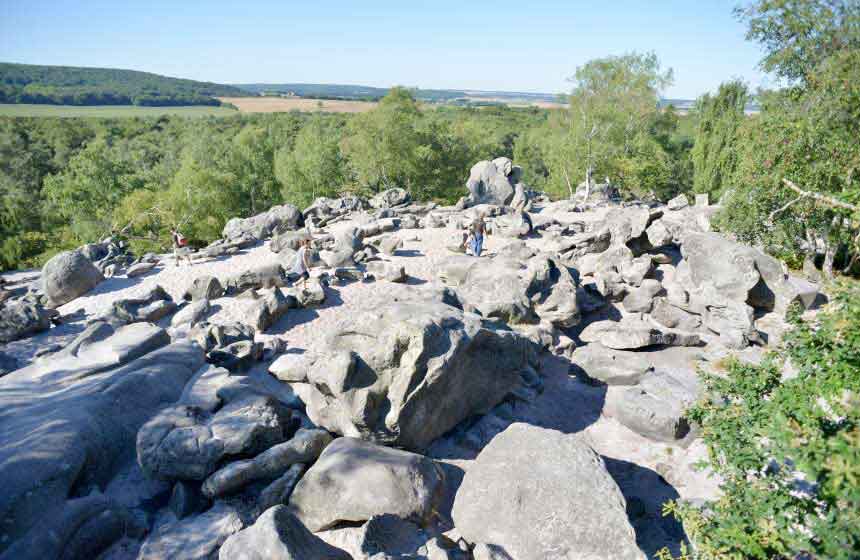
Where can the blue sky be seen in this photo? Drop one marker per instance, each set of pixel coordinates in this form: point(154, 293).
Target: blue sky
point(468, 44)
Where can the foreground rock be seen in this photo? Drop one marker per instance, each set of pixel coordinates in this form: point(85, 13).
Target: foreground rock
point(655, 408)
point(278, 535)
point(21, 319)
point(354, 480)
point(539, 493)
point(406, 373)
point(67, 276)
point(67, 421)
point(194, 538)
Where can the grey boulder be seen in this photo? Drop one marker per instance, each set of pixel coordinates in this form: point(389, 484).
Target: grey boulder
point(194, 538)
point(390, 198)
point(354, 480)
point(539, 493)
point(492, 182)
point(21, 319)
point(612, 367)
point(655, 408)
point(631, 333)
point(67, 276)
point(204, 287)
point(407, 372)
point(278, 535)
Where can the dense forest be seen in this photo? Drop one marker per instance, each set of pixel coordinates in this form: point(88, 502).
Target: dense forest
point(67, 85)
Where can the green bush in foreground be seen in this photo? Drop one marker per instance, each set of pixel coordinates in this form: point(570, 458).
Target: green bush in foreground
point(787, 447)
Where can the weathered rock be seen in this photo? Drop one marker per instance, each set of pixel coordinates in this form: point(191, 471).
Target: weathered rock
point(390, 198)
point(185, 443)
point(139, 269)
point(191, 314)
point(385, 270)
point(354, 480)
point(518, 495)
point(261, 226)
point(81, 528)
point(489, 552)
point(309, 295)
point(8, 364)
point(304, 447)
point(258, 278)
point(515, 224)
point(21, 319)
point(655, 407)
point(388, 244)
point(288, 240)
point(186, 499)
point(635, 271)
point(237, 357)
point(279, 491)
point(71, 428)
point(641, 299)
point(631, 333)
point(204, 287)
point(672, 317)
point(492, 182)
point(194, 538)
point(278, 535)
point(678, 202)
point(405, 373)
point(210, 336)
point(152, 307)
point(269, 309)
point(67, 276)
point(613, 367)
point(291, 367)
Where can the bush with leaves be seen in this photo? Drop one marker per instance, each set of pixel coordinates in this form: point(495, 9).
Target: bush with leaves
point(785, 438)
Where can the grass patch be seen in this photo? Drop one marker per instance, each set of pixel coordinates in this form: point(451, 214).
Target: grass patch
point(110, 111)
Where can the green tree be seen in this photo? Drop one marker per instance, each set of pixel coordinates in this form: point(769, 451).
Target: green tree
point(382, 144)
point(715, 152)
point(612, 105)
point(314, 167)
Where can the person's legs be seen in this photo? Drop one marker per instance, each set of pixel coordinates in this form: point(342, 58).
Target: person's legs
point(479, 245)
point(175, 255)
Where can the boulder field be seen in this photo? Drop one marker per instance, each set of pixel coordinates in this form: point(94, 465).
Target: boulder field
point(408, 400)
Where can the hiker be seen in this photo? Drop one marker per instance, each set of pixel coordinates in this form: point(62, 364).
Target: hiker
point(302, 263)
point(477, 231)
point(180, 247)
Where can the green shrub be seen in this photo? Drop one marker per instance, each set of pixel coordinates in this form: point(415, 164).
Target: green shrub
point(786, 446)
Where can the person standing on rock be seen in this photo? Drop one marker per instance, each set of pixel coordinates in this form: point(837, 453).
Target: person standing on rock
point(302, 263)
point(180, 247)
point(477, 230)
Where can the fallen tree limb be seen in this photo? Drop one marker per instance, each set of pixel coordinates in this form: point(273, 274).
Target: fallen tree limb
point(820, 197)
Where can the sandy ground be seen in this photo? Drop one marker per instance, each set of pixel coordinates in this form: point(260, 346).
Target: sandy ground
point(287, 104)
point(649, 471)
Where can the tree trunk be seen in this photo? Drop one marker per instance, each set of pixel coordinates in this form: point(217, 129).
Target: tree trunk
point(829, 255)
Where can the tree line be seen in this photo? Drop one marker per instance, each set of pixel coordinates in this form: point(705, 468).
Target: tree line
point(67, 85)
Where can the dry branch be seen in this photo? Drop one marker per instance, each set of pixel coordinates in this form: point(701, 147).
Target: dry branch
point(820, 197)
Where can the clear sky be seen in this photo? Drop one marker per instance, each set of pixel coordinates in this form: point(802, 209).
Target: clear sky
point(464, 44)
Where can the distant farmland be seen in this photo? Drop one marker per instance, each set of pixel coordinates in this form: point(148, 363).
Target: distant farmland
point(110, 111)
point(286, 104)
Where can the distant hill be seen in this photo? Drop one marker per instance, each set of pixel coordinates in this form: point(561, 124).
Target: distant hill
point(68, 85)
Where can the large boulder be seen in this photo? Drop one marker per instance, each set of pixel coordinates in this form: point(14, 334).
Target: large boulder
point(261, 226)
point(515, 224)
point(263, 276)
point(22, 319)
point(67, 276)
point(539, 493)
point(354, 480)
point(278, 535)
point(204, 287)
point(655, 408)
point(151, 307)
point(390, 198)
point(492, 182)
point(406, 373)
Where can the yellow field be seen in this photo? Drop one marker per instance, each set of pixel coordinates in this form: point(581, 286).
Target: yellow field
point(286, 104)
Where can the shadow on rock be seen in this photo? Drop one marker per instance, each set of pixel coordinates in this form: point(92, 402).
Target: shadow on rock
point(646, 492)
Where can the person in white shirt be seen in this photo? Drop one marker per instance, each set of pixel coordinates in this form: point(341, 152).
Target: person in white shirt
point(302, 263)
